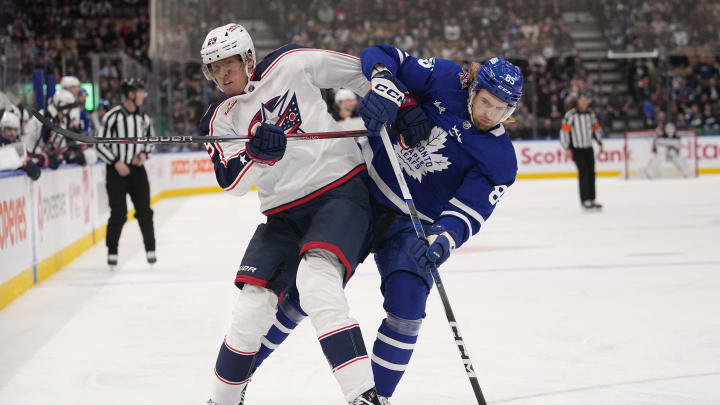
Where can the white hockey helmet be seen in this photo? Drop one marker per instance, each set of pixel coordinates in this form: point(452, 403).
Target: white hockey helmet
point(9, 120)
point(224, 42)
point(344, 94)
point(69, 81)
point(63, 98)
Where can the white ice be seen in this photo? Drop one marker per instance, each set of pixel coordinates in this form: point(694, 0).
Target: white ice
point(557, 306)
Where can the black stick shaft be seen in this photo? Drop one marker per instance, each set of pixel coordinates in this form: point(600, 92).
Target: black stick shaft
point(185, 139)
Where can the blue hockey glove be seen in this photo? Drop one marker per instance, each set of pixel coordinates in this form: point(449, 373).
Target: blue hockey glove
point(417, 250)
point(413, 125)
point(267, 145)
point(381, 103)
point(441, 244)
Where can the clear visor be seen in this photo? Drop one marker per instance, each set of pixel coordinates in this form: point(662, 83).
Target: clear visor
point(488, 112)
point(206, 71)
point(218, 69)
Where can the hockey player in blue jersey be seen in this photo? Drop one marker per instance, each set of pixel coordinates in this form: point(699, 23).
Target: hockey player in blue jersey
point(460, 166)
point(456, 177)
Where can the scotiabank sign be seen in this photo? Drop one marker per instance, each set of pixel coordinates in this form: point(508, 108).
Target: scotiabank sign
point(707, 150)
point(537, 157)
point(14, 229)
point(532, 156)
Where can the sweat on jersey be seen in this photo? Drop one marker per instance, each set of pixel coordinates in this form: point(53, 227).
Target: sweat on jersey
point(459, 174)
point(286, 92)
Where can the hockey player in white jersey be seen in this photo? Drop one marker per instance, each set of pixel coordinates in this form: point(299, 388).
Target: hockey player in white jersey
point(666, 147)
point(316, 203)
point(13, 154)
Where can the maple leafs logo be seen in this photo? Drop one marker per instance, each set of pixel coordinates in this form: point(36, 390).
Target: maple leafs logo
point(417, 162)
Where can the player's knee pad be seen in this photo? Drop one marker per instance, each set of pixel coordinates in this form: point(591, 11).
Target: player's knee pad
point(253, 315)
point(405, 295)
point(320, 285)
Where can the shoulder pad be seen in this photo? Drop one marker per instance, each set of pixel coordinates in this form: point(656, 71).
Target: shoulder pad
point(204, 126)
point(272, 57)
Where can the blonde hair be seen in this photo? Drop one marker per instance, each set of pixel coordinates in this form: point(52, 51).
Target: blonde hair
point(473, 71)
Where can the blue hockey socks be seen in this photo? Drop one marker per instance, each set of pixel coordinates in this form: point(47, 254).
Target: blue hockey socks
point(288, 316)
point(405, 298)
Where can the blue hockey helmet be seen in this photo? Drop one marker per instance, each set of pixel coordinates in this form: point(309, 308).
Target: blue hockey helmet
point(503, 80)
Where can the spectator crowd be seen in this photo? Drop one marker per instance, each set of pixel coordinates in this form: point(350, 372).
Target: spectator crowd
point(64, 37)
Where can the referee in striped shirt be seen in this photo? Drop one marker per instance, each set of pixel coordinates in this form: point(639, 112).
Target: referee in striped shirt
point(125, 172)
point(579, 127)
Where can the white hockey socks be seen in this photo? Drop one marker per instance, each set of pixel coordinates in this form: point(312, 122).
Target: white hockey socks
point(253, 314)
point(320, 283)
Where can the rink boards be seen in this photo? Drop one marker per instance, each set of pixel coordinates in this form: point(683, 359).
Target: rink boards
point(48, 223)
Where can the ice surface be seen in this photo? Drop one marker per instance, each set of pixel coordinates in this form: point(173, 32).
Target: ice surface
point(557, 306)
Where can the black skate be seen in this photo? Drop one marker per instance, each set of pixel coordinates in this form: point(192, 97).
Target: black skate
point(112, 260)
point(151, 256)
point(370, 397)
point(591, 206)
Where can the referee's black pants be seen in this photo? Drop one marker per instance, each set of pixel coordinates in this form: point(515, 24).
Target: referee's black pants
point(136, 184)
point(585, 161)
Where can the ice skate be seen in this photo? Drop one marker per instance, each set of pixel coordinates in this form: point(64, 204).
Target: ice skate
point(112, 261)
point(151, 256)
point(370, 397)
point(596, 205)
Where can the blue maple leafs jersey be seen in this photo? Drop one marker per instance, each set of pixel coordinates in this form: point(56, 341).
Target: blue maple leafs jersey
point(460, 173)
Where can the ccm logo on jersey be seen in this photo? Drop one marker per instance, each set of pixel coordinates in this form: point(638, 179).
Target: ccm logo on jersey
point(249, 269)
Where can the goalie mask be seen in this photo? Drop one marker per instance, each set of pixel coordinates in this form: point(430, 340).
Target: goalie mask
point(503, 80)
point(224, 42)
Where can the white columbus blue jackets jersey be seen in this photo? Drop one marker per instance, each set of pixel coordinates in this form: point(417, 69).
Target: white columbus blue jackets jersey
point(286, 92)
point(459, 174)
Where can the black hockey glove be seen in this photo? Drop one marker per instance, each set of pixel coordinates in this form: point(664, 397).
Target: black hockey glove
point(411, 124)
point(268, 144)
point(54, 161)
point(32, 170)
point(381, 103)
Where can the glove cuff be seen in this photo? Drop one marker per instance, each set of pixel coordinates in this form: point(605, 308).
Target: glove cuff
point(269, 162)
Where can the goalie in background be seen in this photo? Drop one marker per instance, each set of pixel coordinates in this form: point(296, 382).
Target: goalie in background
point(666, 147)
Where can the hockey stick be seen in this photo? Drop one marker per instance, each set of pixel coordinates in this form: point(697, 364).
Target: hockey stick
point(181, 139)
point(469, 369)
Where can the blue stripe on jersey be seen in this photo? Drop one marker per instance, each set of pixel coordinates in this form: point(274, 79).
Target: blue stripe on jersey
point(271, 57)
